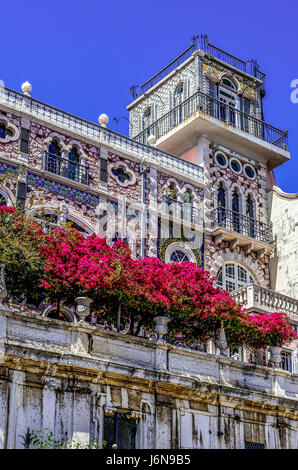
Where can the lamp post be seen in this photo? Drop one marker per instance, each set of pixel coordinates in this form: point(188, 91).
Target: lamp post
point(118, 119)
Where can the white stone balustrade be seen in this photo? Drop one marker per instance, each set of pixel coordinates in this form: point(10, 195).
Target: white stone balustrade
point(260, 298)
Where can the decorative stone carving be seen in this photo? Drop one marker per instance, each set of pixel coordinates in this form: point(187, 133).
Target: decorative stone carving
point(26, 88)
point(222, 341)
point(161, 326)
point(103, 120)
point(275, 356)
point(83, 308)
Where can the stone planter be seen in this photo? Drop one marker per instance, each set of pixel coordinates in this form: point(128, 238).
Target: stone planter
point(275, 356)
point(222, 341)
point(83, 308)
point(161, 326)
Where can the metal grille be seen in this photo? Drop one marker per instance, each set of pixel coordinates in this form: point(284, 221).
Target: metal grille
point(254, 445)
point(64, 167)
point(235, 222)
point(201, 42)
point(200, 102)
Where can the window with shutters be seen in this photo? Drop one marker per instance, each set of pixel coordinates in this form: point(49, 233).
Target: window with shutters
point(24, 140)
point(212, 107)
point(120, 430)
point(103, 170)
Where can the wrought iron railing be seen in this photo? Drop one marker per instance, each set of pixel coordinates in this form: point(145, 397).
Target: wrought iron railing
point(180, 210)
point(65, 167)
point(201, 42)
point(236, 222)
point(200, 102)
point(168, 69)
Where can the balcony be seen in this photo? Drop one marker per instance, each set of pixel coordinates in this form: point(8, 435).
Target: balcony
point(238, 229)
point(201, 113)
point(202, 43)
point(66, 168)
point(98, 135)
point(259, 299)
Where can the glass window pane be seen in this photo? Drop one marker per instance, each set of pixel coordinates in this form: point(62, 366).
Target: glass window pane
point(230, 271)
point(242, 276)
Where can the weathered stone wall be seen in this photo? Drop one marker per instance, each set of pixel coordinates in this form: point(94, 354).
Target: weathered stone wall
point(66, 377)
point(284, 263)
point(217, 255)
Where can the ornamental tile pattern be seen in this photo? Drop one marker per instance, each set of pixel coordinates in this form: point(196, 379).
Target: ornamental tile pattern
point(65, 191)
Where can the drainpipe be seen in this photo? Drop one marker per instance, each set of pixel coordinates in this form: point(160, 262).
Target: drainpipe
point(143, 170)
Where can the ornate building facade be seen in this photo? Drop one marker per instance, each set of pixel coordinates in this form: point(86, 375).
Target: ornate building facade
point(194, 181)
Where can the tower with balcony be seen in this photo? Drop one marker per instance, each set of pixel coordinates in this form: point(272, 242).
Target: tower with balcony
point(206, 107)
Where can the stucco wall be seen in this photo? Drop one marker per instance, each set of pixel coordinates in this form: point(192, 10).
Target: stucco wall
point(284, 263)
point(66, 377)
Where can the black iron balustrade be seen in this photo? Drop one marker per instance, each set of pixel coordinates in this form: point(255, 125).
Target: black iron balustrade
point(65, 167)
point(201, 42)
point(236, 222)
point(214, 108)
point(168, 69)
point(180, 210)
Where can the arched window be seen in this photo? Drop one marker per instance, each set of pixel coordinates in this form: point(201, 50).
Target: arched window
point(221, 203)
point(179, 94)
point(250, 215)
point(249, 207)
point(171, 200)
point(178, 256)
point(53, 161)
point(236, 210)
point(227, 97)
point(78, 227)
point(73, 165)
point(147, 118)
point(187, 206)
point(178, 100)
point(233, 276)
point(4, 131)
point(228, 83)
point(221, 196)
point(121, 174)
point(47, 221)
point(3, 200)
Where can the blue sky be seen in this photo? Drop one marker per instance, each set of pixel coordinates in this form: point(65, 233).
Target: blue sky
point(83, 56)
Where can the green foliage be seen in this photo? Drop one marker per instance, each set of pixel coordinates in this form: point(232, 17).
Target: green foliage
point(44, 439)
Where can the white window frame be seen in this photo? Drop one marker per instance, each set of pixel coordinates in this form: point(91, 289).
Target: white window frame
point(238, 283)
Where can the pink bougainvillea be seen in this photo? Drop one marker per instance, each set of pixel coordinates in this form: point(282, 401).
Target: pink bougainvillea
point(72, 265)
